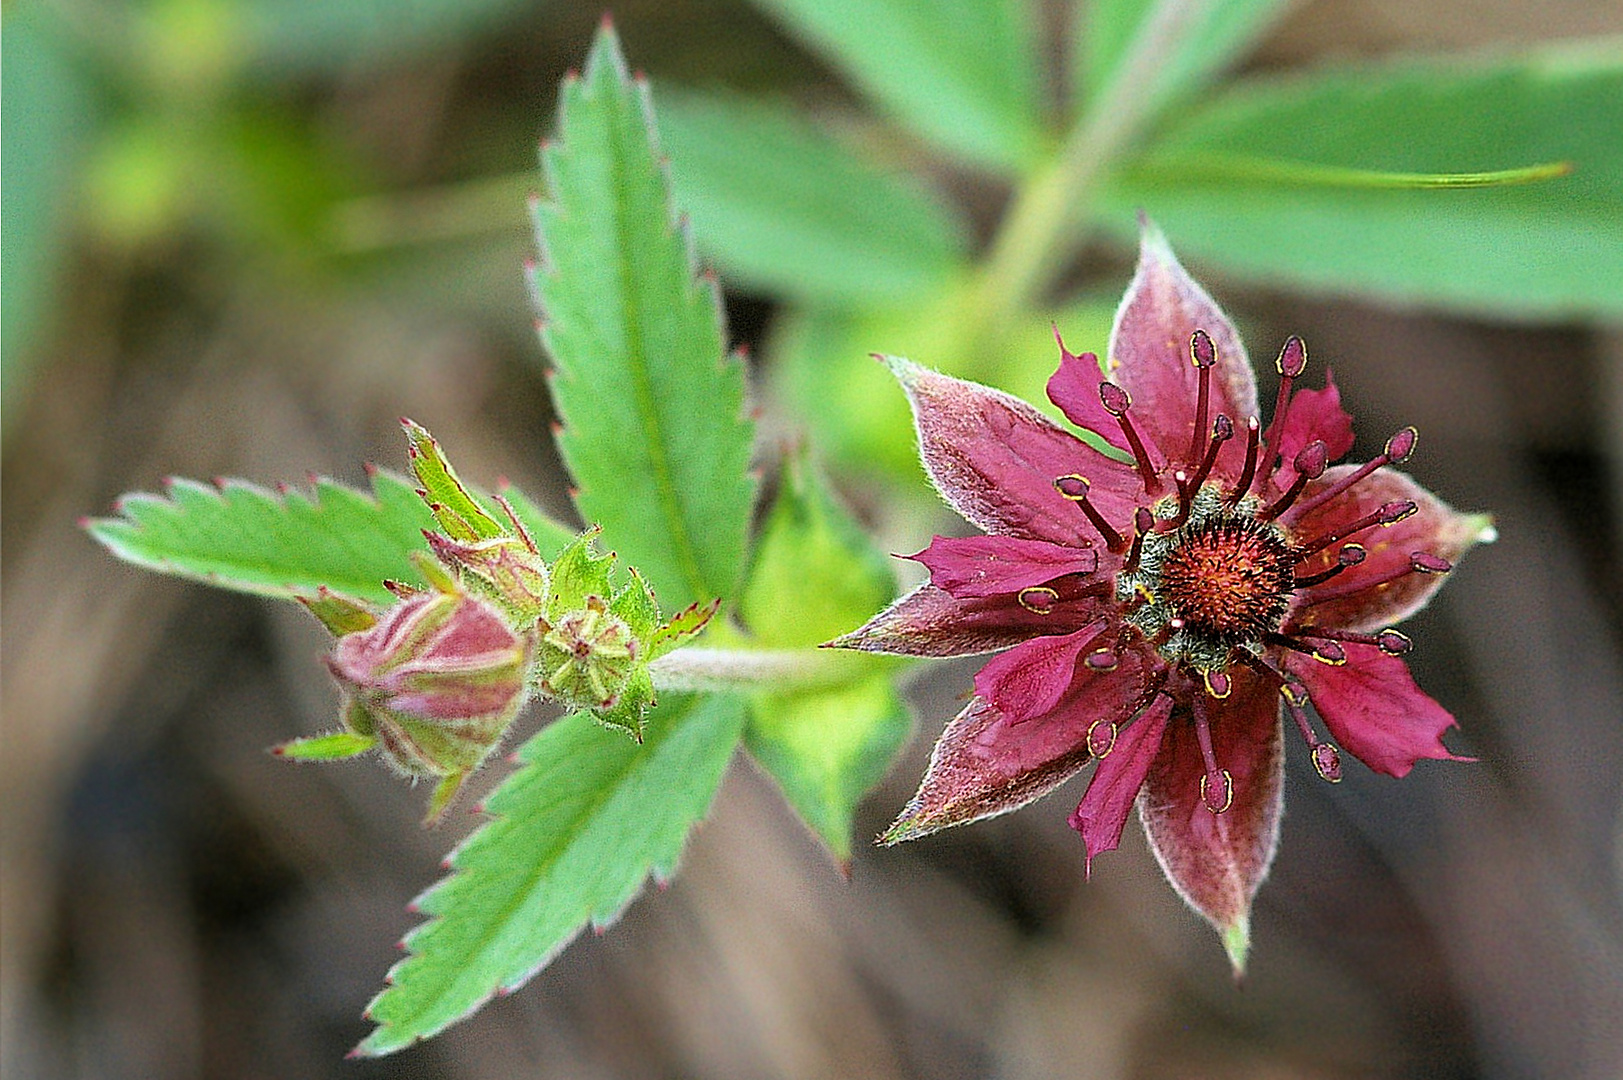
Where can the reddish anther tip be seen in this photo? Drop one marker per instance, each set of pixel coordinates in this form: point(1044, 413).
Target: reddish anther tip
point(1327, 762)
point(1401, 445)
point(1222, 428)
point(1102, 660)
point(1292, 357)
point(1143, 520)
point(1329, 652)
point(1115, 400)
point(1393, 512)
point(1393, 643)
point(1351, 554)
point(1217, 790)
point(1101, 738)
point(1201, 349)
point(1072, 487)
point(1424, 562)
point(1312, 459)
point(1218, 684)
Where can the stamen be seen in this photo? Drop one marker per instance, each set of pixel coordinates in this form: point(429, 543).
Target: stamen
point(1222, 432)
point(1204, 355)
point(1143, 522)
point(1038, 599)
point(1075, 488)
point(1216, 786)
point(1389, 514)
point(1350, 555)
point(1291, 363)
point(1116, 402)
point(1326, 758)
point(1244, 485)
point(1389, 641)
point(1420, 562)
point(1186, 496)
point(1101, 738)
point(1398, 448)
point(1326, 652)
point(1310, 464)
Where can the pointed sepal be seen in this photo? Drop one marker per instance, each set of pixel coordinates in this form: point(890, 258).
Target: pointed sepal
point(458, 513)
point(333, 746)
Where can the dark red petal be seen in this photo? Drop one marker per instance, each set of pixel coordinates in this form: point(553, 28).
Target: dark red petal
point(1100, 815)
point(1031, 677)
point(1374, 709)
point(1074, 387)
point(994, 458)
point(1352, 600)
point(1314, 414)
point(986, 763)
point(930, 622)
point(1000, 565)
point(1218, 861)
point(1149, 355)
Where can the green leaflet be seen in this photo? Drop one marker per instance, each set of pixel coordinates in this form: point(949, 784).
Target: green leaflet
point(575, 832)
point(1205, 38)
point(1542, 250)
point(241, 536)
point(653, 411)
point(784, 207)
point(816, 576)
point(962, 73)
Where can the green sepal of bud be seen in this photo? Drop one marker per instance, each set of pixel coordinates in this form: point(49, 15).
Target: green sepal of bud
point(340, 614)
point(577, 573)
point(458, 513)
point(333, 746)
point(636, 698)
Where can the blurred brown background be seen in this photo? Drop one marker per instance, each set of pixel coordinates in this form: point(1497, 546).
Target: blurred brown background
point(176, 903)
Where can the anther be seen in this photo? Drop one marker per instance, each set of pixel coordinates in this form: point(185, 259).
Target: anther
point(1389, 514)
point(1324, 651)
point(1038, 599)
point(1076, 489)
point(1222, 432)
point(1398, 448)
point(1218, 684)
point(1102, 660)
point(1326, 758)
point(1349, 555)
point(1204, 355)
point(1424, 562)
point(1143, 522)
point(1309, 464)
point(1216, 786)
point(1393, 642)
point(1252, 435)
point(1101, 738)
point(1291, 363)
point(1116, 402)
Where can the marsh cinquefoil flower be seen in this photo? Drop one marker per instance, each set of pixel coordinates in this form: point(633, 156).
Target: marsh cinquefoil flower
point(1162, 613)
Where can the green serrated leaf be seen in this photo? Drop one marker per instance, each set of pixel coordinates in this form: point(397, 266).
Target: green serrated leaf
point(1541, 250)
point(827, 749)
point(815, 576)
point(784, 207)
point(243, 537)
point(654, 431)
point(1203, 40)
point(962, 73)
point(575, 833)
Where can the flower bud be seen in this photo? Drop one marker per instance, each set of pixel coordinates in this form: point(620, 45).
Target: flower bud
point(437, 680)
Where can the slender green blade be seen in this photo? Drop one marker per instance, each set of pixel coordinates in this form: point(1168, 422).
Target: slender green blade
point(784, 207)
point(653, 431)
point(575, 833)
point(240, 536)
point(1548, 249)
point(1203, 37)
point(816, 575)
point(961, 73)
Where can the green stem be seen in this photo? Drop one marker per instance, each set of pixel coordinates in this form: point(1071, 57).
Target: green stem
point(697, 668)
point(1041, 229)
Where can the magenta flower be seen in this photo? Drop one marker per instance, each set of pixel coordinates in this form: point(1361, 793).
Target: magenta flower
point(1165, 609)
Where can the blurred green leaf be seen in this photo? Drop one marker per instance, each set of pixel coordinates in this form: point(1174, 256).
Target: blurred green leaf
point(782, 206)
point(284, 37)
point(653, 431)
point(1205, 38)
point(962, 73)
point(574, 834)
point(45, 114)
point(817, 575)
point(243, 537)
point(1542, 250)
